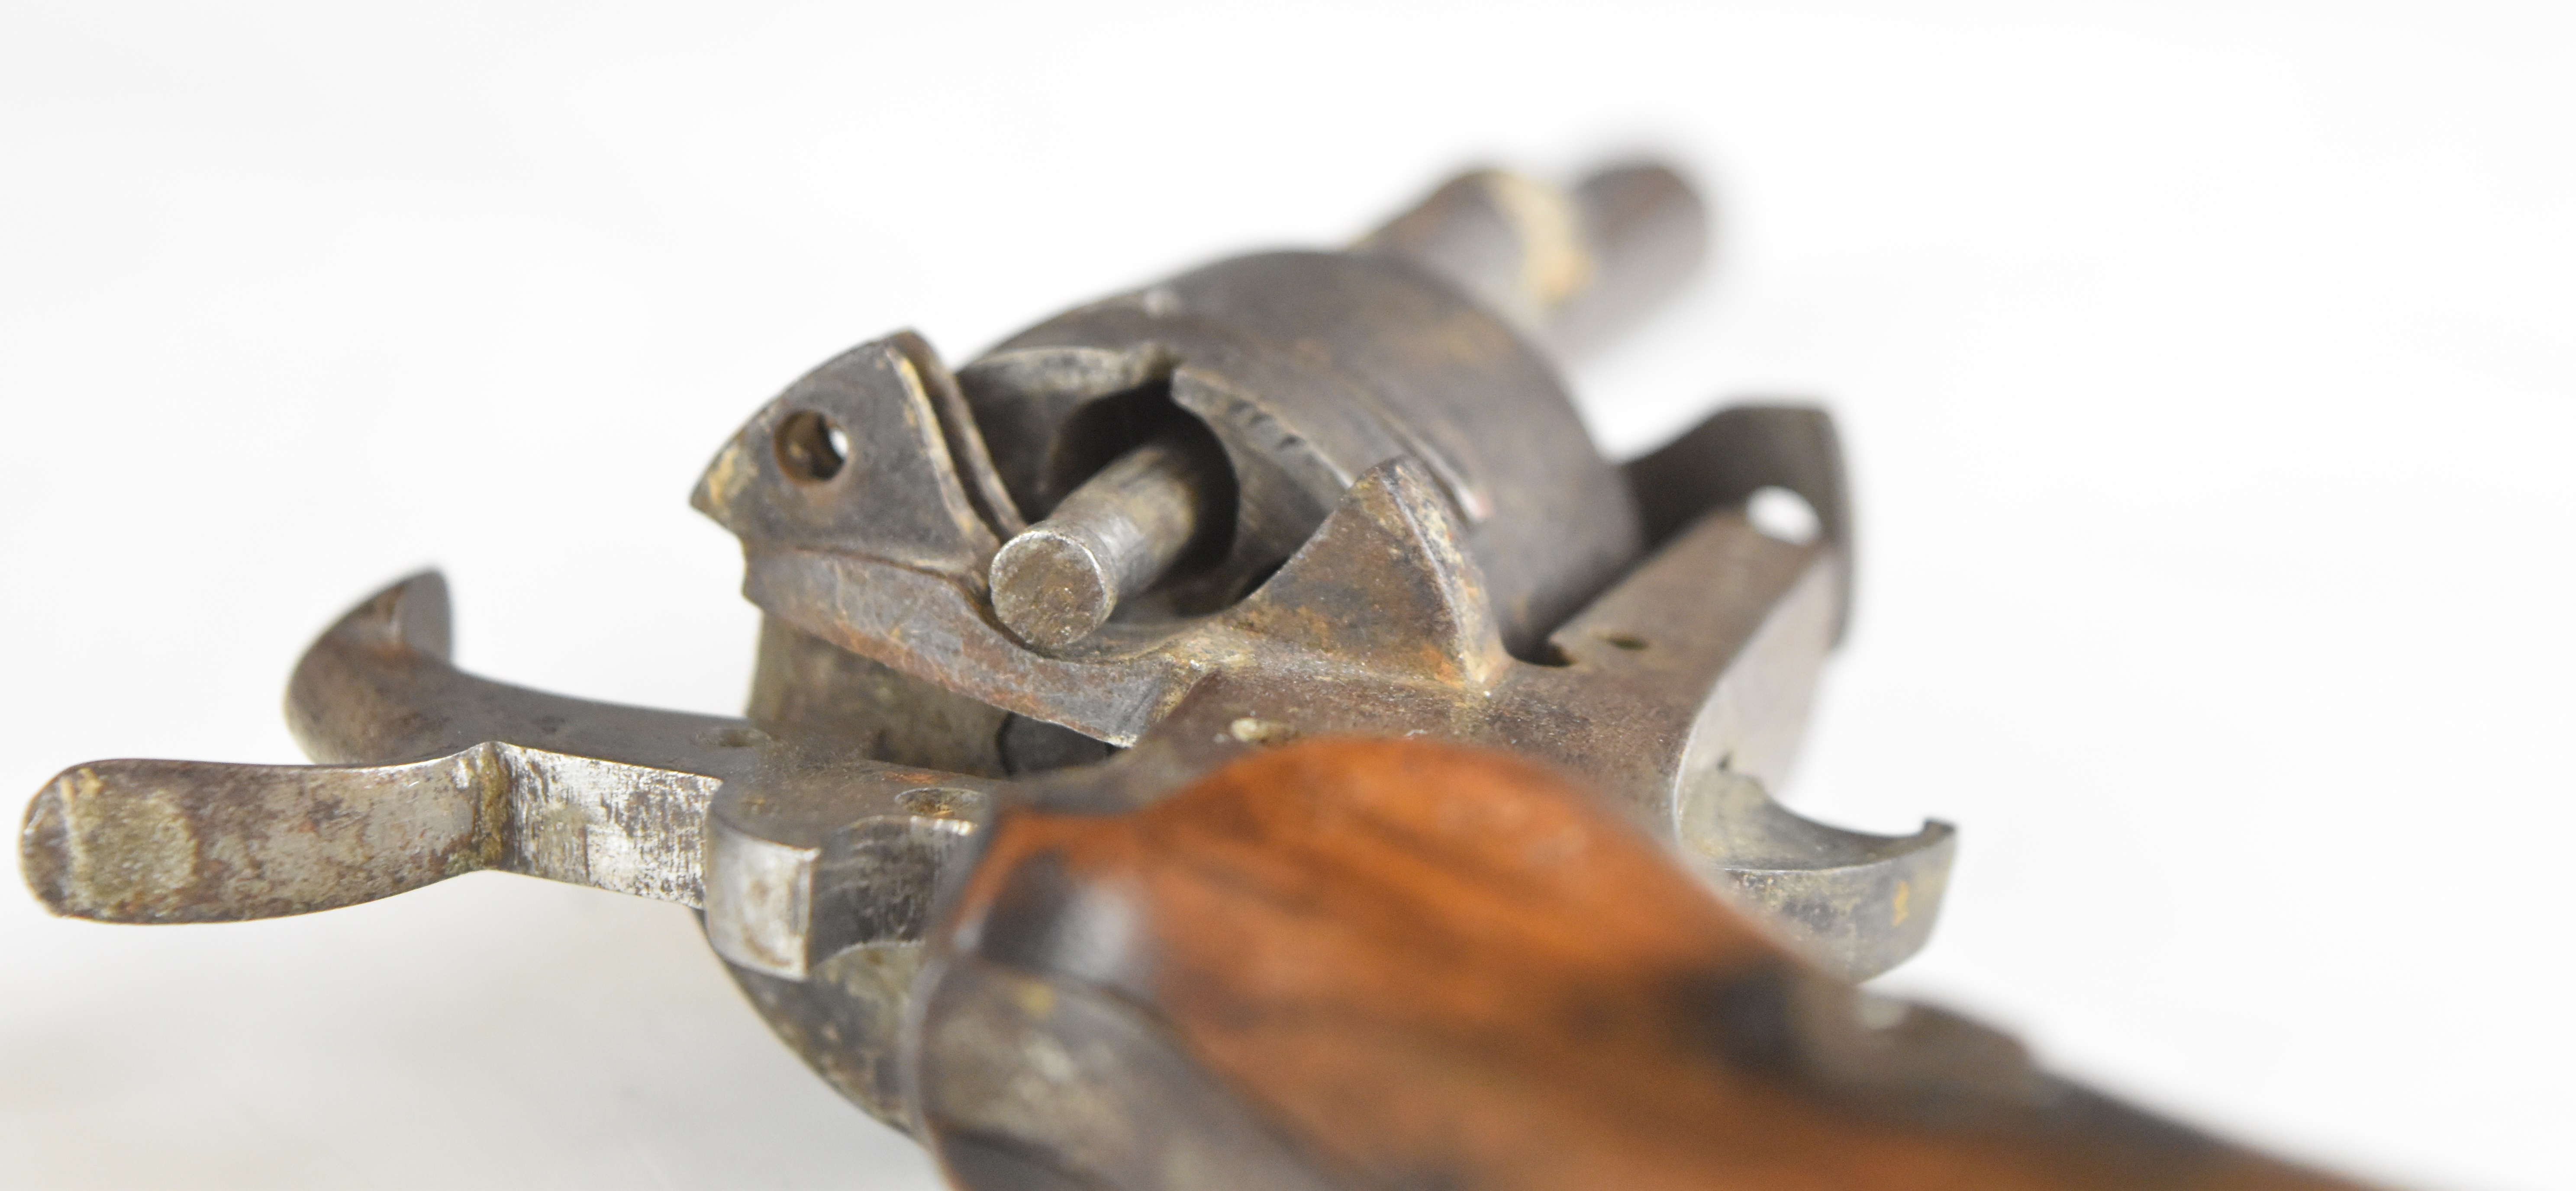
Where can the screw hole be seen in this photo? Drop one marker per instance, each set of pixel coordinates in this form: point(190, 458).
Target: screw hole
point(1628, 641)
point(811, 448)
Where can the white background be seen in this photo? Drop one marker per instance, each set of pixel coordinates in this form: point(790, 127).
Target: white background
point(2206, 370)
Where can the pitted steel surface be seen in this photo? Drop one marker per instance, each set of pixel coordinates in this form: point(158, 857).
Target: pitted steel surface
point(1328, 493)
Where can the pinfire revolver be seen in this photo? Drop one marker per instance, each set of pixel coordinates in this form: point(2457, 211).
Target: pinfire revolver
point(1238, 733)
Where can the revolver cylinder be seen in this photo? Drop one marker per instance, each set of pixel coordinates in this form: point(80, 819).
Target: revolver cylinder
point(1305, 369)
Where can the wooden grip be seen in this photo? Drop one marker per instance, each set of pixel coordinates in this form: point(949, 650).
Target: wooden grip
point(1375, 963)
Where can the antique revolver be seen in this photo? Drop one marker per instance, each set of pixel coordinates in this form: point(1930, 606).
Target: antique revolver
point(1237, 733)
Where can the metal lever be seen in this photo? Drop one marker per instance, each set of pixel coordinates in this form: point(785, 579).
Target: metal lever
point(196, 841)
point(795, 851)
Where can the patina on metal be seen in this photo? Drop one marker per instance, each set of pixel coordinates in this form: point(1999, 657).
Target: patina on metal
point(1116, 536)
point(1364, 503)
point(1288, 496)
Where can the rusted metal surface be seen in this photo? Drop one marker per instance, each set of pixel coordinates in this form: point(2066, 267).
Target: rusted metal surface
point(1315, 494)
point(1704, 658)
point(1417, 510)
point(450, 774)
point(1115, 537)
point(1309, 369)
point(195, 841)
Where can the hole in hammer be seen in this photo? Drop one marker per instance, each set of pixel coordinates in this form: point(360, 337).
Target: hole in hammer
point(811, 448)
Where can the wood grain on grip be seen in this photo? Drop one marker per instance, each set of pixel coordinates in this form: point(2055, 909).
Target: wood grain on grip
point(1415, 965)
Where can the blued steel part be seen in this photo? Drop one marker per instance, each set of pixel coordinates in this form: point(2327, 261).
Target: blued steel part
point(1107, 542)
point(1569, 266)
point(1705, 656)
point(1389, 963)
point(1738, 451)
point(1310, 369)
